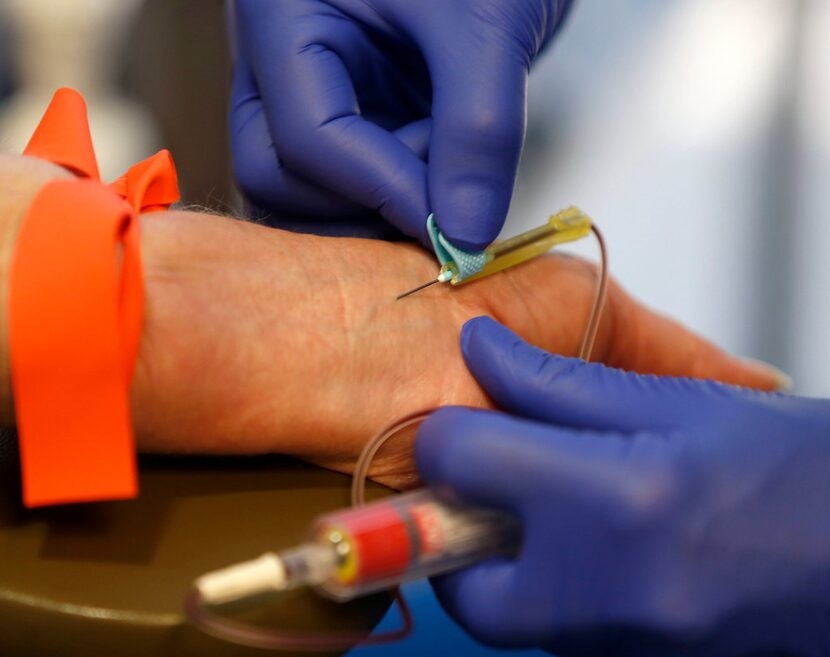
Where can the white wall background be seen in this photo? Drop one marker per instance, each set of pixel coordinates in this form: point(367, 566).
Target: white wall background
point(697, 133)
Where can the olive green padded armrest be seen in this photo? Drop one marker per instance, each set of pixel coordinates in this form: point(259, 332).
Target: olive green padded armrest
point(109, 578)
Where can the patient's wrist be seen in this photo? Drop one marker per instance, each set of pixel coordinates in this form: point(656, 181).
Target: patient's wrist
point(215, 292)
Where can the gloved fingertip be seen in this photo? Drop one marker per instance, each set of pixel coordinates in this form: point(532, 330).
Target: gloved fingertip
point(500, 359)
point(464, 449)
point(469, 238)
point(471, 215)
point(444, 415)
point(483, 333)
point(432, 435)
point(471, 330)
point(472, 246)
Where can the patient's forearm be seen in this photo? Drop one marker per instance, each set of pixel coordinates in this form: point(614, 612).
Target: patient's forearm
point(262, 340)
point(257, 340)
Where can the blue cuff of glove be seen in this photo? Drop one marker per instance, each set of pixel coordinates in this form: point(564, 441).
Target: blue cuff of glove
point(465, 263)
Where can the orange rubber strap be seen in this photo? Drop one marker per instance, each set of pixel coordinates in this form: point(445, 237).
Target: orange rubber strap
point(75, 310)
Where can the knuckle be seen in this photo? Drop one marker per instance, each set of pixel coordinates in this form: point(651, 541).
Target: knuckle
point(654, 494)
point(303, 139)
point(295, 142)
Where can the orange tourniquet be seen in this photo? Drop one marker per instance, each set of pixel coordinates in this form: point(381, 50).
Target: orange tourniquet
point(75, 309)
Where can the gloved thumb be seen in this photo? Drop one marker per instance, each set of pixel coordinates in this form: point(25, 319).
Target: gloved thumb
point(542, 386)
point(477, 138)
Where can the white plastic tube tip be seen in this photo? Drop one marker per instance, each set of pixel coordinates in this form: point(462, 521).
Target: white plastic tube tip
point(243, 580)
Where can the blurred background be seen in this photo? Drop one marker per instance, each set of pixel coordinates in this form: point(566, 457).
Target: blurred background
point(696, 132)
point(155, 74)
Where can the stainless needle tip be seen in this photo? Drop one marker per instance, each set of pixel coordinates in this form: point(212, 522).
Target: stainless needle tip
point(417, 289)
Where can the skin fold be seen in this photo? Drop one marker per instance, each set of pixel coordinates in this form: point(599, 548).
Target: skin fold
point(259, 340)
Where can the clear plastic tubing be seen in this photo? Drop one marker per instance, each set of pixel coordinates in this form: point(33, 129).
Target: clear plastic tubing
point(377, 546)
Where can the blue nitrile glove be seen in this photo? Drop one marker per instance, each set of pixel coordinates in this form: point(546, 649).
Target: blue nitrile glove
point(661, 516)
point(338, 104)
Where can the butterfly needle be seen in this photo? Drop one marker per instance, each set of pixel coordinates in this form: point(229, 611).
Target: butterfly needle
point(417, 289)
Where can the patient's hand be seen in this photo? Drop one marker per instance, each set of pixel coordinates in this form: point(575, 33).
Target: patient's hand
point(257, 340)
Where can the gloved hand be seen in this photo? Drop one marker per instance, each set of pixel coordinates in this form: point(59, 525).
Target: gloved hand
point(338, 104)
point(661, 516)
